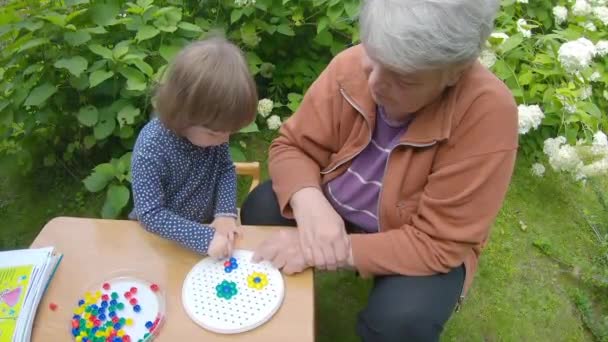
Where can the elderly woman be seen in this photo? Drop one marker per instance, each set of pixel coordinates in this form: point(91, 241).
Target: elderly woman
point(396, 164)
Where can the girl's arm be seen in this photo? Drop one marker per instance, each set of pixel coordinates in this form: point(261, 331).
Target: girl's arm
point(225, 193)
point(150, 208)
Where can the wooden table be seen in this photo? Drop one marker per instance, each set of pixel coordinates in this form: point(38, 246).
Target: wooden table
point(94, 248)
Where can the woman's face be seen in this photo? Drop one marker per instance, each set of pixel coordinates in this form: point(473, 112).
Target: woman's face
point(402, 94)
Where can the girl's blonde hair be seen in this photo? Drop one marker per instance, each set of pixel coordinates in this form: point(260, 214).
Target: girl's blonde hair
point(208, 85)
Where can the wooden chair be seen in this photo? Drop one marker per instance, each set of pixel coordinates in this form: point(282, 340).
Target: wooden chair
point(251, 169)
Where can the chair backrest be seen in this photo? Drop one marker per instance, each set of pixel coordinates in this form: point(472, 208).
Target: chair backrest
point(251, 169)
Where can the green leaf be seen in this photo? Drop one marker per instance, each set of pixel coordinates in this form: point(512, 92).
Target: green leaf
point(141, 65)
point(168, 52)
point(101, 51)
point(76, 38)
point(34, 68)
point(144, 3)
point(2, 73)
point(235, 15)
point(121, 49)
point(511, 43)
point(526, 77)
point(40, 94)
point(592, 109)
point(135, 79)
point(334, 12)
point(89, 141)
point(352, 8)
point(75, 2)
point(237, 154)
point(96, 77)
point(3, 104)
point(253, 58)
point(325, 38)
point(100, 177)
point(124, 162)
point(49, 160)
point(118, 196)
point(30, 25)
point(88, 115)
point(251, 128)
point(189, 27)
point(126, 132)
point(106, 124)
point(322, 24)
point(74, 14)
point(56, 19)
point(146, 32)
point(33, 43)
point(166, 28)
point(104, 14)
point(76, 65)
point(96, 30)
point(127, 115)
point(501, 70)
point(286, 30)
point(249, 34)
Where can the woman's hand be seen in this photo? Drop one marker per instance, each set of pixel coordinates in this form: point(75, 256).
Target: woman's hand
point(283, 251)
point(322, 234)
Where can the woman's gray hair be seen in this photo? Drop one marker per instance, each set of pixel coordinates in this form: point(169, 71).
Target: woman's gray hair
point(410, 35)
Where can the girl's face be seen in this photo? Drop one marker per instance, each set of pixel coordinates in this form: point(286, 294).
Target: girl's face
point(203, 137)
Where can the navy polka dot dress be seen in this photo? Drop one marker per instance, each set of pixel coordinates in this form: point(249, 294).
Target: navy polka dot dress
point(178, 186)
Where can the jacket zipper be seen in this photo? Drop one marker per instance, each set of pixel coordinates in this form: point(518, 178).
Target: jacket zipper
point(360, 111)
point(384, 174)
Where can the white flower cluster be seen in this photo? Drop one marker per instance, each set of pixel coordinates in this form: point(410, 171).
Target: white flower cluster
point(487, 58)
point(562, 157)
point(600, 144)
point(522, 1)
point(538, 169)
point(265, 107)
point(274, 122)
point(522, 28)
point(244, 3)
point(601, 48)
point(566, 158)
point(561, 14)
point(581, 8)
point(530, 117)
point(601, 13)
point(576, 55)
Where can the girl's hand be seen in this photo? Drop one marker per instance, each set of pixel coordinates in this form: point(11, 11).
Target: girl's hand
point(228, 228)
point(220, 247)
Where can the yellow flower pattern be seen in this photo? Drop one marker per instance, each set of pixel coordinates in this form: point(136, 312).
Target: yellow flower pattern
point(257, 280)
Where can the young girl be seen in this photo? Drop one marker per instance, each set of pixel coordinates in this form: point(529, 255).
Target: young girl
point(184, 181)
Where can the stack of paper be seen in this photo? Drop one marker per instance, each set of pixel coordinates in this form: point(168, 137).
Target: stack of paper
point(24, 276)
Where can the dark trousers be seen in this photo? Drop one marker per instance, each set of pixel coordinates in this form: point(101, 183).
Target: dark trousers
point(399, 308)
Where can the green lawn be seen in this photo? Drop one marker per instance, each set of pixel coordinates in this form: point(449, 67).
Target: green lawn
point(519, 294)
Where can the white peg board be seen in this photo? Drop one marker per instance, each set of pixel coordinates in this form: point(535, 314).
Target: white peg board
point(246, 310)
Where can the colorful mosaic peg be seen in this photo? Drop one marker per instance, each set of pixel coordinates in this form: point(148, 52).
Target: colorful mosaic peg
point(226, 289)
point(100, 317)
point(257, 280)
point(230, 265)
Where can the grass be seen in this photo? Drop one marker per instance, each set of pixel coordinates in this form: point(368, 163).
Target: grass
point(519, 293)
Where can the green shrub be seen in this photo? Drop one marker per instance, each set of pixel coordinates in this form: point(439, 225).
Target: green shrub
point(77, 76)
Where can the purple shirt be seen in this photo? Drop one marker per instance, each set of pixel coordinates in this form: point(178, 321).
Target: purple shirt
point(355, 193)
